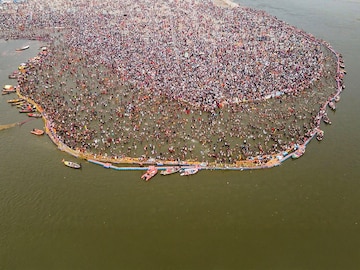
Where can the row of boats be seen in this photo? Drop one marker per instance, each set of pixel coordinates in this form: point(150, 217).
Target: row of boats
point(25, 107)
point(184, 171)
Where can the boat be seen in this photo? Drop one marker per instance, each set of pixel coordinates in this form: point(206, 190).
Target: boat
point(37, 131)
point(35, 115)
point(150, 173)
point(320, 135)
point(298, 152)
point(332, 105)
point(170, 170)
point(19, 103)
point(15, 100)
point(27, 110)
point(6, 92)
point(71, 164)
point(189, 171)
point(23, 48)
point(8, 87)
point(337, 98)
point(326, 119)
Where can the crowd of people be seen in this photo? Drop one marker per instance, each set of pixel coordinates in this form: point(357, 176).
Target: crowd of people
point(172, 80)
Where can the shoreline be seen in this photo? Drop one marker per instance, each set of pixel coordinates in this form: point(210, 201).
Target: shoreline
point(250, 163)
point(66, 126)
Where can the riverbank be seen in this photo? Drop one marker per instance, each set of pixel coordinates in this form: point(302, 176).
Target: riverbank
point(183, 106)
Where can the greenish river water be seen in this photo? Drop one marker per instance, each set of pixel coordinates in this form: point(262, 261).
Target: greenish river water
point(304, 214)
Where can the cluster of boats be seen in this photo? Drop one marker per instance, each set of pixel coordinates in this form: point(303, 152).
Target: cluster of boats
point(184, 171)
point(24, 107)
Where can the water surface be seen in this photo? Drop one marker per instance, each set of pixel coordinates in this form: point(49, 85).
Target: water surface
point(301, 215)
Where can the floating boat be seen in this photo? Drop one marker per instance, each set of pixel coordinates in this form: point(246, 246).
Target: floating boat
point(19, 103)
point(337, 98)
point(38, 132)
point(35, 115)
point(15, 100)
point(8, 87)
point(320, 135)
point(150, 173)
point(13, 76)
point(189, 171)
point(332, 105)
point(326, 119)
point(170, 170)
point(6, 92)
point(71, 164)
point(23, 48)
point(27, 110)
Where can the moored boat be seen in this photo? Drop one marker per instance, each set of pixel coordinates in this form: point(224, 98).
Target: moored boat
point(16, 100)
point(170, 170)
point(326, 119)
point(14, 75)
point(337, 98)
point(8, 87)
point(300, 150)
point(37, 131)
point(332, 105)
point(71, 164)
point(27, 110)
point(150, 173)
point(189, 171)
point(35, 115)
point(320, 135)
point(6, 92)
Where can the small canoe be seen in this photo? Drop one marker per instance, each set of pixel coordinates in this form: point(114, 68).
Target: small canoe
point(37, 132)
point(23, 48)
point(71, 164)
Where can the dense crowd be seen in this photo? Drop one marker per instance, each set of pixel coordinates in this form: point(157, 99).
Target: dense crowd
point(172, 79)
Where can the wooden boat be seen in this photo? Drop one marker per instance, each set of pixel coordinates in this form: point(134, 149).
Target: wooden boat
point(35, 115)
point(27, 110)
point(23, 48)
point(326, 119)
point(14, 75)
point(15, 100)
point(71, 164)
point(332, 105)
point(170, 170)
point(6, 92)
point(8, 87)
point(38, 132)
point(299, 152)
point(320, 135)
point(189, 171)
point(150, 173)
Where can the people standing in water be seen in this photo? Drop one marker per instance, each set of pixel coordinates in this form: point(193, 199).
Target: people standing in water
point(174, 80)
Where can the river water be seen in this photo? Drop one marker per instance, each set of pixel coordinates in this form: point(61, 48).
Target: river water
point(302, 215)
